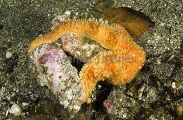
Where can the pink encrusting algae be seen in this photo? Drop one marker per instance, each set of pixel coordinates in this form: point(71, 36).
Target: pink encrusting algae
point(56, 71)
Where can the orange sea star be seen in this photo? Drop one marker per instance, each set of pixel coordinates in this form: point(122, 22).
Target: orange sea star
point(120, 64)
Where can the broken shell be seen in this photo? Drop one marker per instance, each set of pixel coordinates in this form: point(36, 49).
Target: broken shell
point(175, 85)
point(16, 110)
point(141, 90)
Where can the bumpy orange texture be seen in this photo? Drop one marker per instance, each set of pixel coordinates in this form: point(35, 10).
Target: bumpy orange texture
point(119, 65)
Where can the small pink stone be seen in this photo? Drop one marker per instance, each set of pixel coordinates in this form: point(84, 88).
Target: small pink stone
point(43, 59)
point(107, 105)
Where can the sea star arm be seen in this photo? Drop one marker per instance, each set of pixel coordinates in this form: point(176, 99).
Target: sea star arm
point(112, 38)
point(119, 67)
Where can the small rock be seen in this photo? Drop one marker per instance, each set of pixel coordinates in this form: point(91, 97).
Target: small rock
point(16, 110)
point(8, 54)
point(179, 110)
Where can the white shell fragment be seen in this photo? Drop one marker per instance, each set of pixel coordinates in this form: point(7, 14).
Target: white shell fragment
point(60, 18)
point(8, 54)
point(67, 12)
point(16, 110)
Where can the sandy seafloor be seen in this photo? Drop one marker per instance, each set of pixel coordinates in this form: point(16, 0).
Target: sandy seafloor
point(23, 20)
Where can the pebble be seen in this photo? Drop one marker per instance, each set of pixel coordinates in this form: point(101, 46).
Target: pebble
point(8, 54)
point(179, 110)
point(16, 110)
